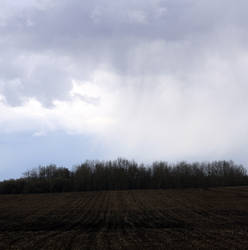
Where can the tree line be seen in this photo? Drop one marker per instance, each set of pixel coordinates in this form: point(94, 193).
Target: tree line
point(123, 174)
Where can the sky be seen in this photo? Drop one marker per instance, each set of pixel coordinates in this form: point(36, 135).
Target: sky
point(101, 79)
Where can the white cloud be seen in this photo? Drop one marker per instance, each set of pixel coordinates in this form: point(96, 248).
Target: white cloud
point(154, 79)
point(39, 133)
point(199, 117)
point(137, 16)
point(80, 114)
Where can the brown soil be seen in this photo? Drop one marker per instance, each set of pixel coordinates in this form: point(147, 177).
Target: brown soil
point(216, 218)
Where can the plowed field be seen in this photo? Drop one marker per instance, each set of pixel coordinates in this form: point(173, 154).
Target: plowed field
point(141, 219)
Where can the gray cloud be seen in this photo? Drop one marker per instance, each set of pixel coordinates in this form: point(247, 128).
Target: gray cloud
point(181, 67)
point(130, 37)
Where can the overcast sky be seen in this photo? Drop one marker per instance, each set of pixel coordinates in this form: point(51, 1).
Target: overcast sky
point(146, 80)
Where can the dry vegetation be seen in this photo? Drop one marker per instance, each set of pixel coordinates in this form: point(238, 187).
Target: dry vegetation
point(214, 218)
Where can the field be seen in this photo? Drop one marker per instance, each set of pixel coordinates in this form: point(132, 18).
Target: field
point(216, 218)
